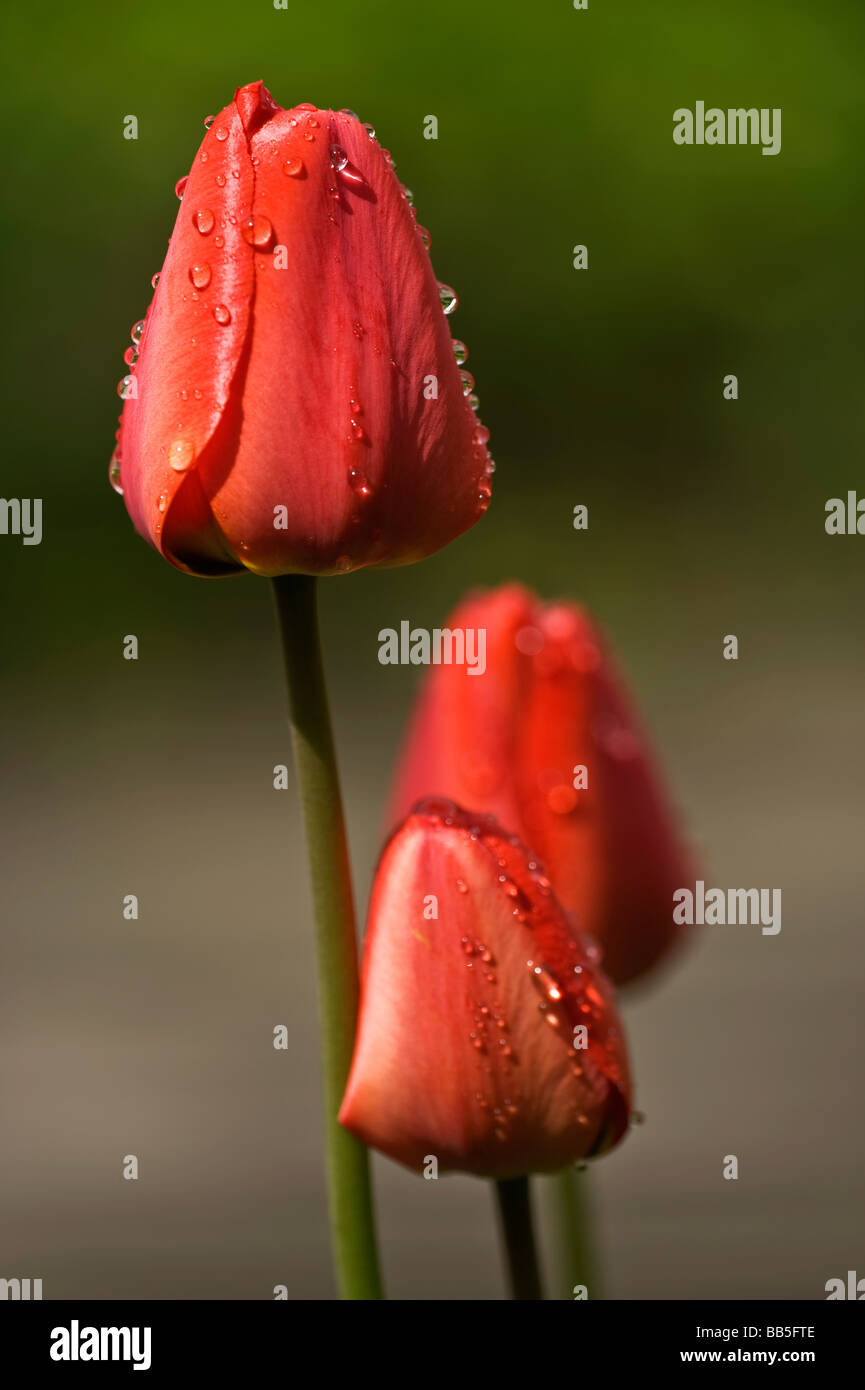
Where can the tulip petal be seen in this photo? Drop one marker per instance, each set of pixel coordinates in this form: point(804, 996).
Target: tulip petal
point(188, 380)
point(347, 329)
point(466, 1040)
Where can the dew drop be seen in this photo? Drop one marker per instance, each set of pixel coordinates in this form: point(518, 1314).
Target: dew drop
point(462, 886)
point(338, 157)
point(427, 241)
point(114, 474)
point(220, 179)
point(357, 429)
point(180, 185)
point(347, 111)
point(204, 221)
point(123, 386)
point(409, 196)
point(180, 455)
point(483, 495)
point(293, 167)
point(208, 122)
point(473, 401)
point(461, 352)
point(258, 232)
point(448, 298)
point(359, 483)
point(200, 275)
point(162, 502)
point(136, 331)
point(130, 357)
point(343, 564)
point(222, 133)
point(370, 129)
point(468, 382)
point(481, 434)
point(154, 280)
point(222, 314)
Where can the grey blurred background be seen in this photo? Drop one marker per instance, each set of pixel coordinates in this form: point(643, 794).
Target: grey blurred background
point(706, 517)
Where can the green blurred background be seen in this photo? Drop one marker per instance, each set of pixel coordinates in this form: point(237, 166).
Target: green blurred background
point(706, 517)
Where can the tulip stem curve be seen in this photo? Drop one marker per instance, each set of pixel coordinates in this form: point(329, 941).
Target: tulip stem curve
point(518, 1234)
point(352, 1220)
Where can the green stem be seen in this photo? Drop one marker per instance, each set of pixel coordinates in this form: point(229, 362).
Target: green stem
point(573, 1232)
point(515, 1219)
point(350, 1191)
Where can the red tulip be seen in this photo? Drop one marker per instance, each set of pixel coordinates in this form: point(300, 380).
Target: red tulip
point(297, 405)
point(512, 741)
point(488, 1036)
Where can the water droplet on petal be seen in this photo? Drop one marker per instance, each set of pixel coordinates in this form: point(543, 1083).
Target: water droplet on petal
point(461, 352)
point(162, 502)
point(293, 167)
point(481, 434)
point(370, 129)
point(154, 280)
point(448, 298)
point(200, 275)
point(468, 382)
point(222, 133)
point(473, 401)
point(358, 430)
point(220, 179)
point(347, 111)
point(484, 493)
point(409, 196)
point(136, 331)
point(114, 474)
point(257, 231)
point(180, 185)
point(222, 314)
point(123, 386)
point(180, 455)
point(338, 157)
point(427, 241)
point(130, 357)
point(359, 483)
point(208, 122)
point(204, 221)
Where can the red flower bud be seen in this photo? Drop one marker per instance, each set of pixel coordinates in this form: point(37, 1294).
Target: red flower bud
point(297, 404)
point(488, 1036)
point(546, 741)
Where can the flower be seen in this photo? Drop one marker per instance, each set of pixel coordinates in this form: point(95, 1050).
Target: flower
point(546, 741)
point(488, 1037)
point(296, 404)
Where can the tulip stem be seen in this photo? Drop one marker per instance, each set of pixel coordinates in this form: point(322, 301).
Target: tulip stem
point(515, 1220)
point(349, 1186)
point(571, 1211)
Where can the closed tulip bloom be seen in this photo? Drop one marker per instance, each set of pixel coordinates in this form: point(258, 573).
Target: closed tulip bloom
point(488, 1036)
point(546, 740)
point(296, 404)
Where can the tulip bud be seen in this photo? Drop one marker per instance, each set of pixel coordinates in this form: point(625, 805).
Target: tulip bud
point(488, 1037)
point(546, 741)
point(296, 405)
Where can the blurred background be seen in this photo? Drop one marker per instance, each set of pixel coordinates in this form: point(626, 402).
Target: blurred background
point(601, 387)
